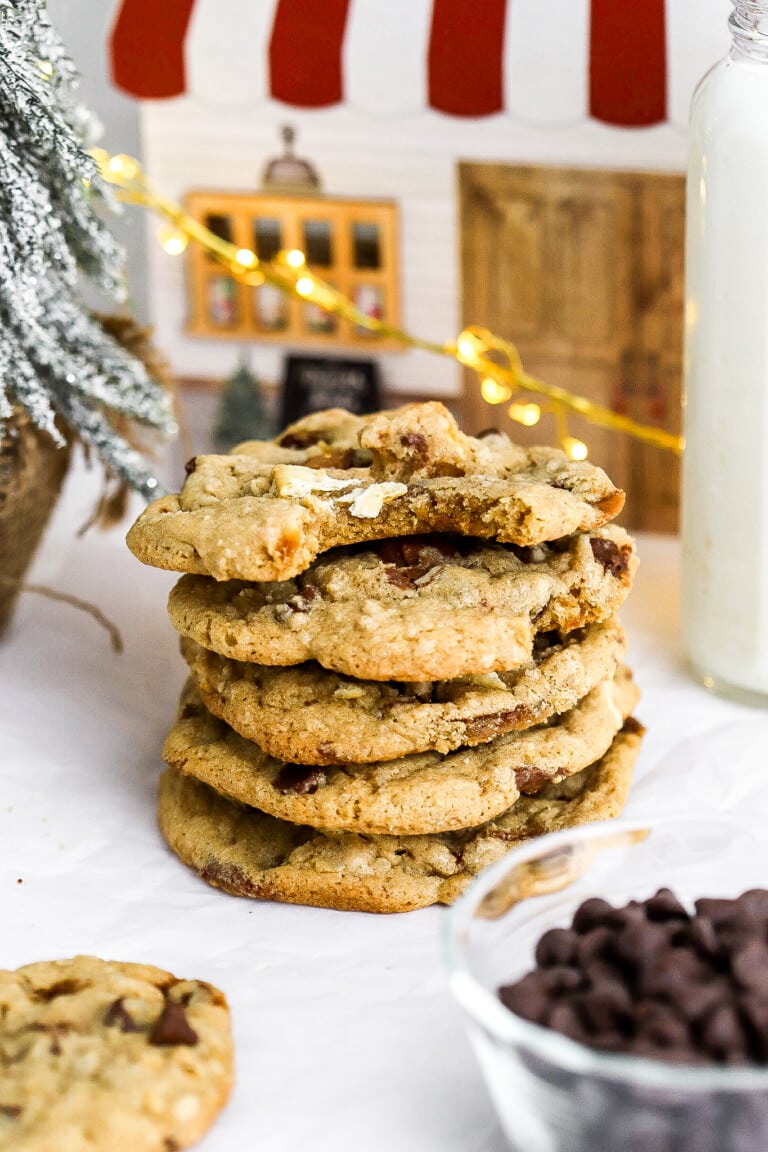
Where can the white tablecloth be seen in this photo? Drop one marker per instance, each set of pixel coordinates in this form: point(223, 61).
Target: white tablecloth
point(346, 1037)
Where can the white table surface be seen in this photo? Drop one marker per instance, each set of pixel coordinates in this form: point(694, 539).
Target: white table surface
point(346, 1036)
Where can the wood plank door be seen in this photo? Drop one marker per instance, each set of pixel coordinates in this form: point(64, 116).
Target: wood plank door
point(583, 270)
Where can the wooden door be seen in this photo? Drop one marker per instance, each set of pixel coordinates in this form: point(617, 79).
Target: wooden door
point(583, 271)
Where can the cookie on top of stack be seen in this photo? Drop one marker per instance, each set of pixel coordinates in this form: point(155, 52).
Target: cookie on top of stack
point(403, 657)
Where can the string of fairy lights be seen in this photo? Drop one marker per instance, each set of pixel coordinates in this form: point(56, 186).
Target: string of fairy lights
point(502, 378)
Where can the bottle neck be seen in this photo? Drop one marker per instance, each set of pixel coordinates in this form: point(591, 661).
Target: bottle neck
point(749, 27)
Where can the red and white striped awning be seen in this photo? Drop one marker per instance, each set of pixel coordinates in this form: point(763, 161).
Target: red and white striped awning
point(630, 63)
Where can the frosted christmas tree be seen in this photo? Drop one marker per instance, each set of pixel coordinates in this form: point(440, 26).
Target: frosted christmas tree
point(56, 361)
point(242, 413)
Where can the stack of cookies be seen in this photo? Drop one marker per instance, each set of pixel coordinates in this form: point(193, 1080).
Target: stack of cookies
point(403, 657)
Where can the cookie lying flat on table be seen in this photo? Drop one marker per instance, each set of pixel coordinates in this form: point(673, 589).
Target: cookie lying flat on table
point(415, 608)
point(242, 517)
point(428, 792)
point(109, 1057)
point(307, 715)
point(248, 853)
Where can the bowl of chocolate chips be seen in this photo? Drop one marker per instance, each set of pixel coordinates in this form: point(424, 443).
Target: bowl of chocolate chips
point(614, 983)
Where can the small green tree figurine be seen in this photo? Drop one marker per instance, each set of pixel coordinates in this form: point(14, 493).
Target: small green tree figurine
point(57, 363)
point(242, 413)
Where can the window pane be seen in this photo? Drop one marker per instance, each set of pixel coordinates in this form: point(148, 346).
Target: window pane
point(222, 301)
point(318, 320)
point(318, 243)
point(270, 308)
point(366, 246)
point(221, 226)
point(369, 299)
point(267, 237)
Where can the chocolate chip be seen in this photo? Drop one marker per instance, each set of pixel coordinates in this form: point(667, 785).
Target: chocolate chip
point(556, 947)
point(60, 988)
point(702, 936)
point(55, 1032)
point(591, 914)
point(303, 599)
point(754, 902)
point(300, 439)
point(405, 578)
point(614, 560)
point(490, 432)
point(527, 998)
point(117, 1015)
point(546, 641)
point(13, 1111)
point(607, 1007)
point(301, 779)
point(561, 978)
point(342, 459)
point(665, 906)
point(172, 1027)
point(632, 727)
point(171, 1145)
point(414, 440)
point(480, 729)
point(671, 973)
point(722, 1032)
point(597, 945)
point(749, 965)
point(753, 1011)
point(654, 1023)
point(530, 781)
point(565, 1019)
point(424, 551)
point(190, 465)
point(720, 912)
point(697, 1000)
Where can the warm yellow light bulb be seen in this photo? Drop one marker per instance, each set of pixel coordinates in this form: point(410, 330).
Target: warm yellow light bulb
point(246, 258)
point(122, 165)
point(493, 391)
point(466, 345)
point(173, 241)
point(295, 258)
point(576, 449)
point(527, 414)
point(46, 68)
point(305, 285)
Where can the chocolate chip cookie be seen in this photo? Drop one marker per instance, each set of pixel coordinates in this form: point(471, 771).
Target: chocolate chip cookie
point(308, 715)
point(108, 1056)
point(248, 853)
point(416, 608)
point(243, 516)
point(428, 792)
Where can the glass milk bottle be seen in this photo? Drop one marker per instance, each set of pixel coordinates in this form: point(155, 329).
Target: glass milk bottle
point(725, 465)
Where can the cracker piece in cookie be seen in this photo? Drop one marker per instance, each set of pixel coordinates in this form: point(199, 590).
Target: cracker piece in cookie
point(416, 608)
point(109, 1056)
point(307, 715)
point(248, 853)
point(245, 517)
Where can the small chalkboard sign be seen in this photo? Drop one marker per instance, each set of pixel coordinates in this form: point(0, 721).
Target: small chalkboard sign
point(312, 383)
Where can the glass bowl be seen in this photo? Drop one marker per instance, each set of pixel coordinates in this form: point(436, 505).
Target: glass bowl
point(552, 1093)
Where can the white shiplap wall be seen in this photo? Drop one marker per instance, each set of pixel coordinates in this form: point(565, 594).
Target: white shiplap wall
point(411, 158)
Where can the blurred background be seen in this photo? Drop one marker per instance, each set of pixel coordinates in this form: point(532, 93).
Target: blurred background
point(515, 165)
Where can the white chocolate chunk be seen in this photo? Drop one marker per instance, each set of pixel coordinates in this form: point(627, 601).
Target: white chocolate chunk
point(295, 480)
point(368, 502)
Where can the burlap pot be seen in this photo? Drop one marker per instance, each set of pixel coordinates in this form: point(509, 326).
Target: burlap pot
point(31, 472)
